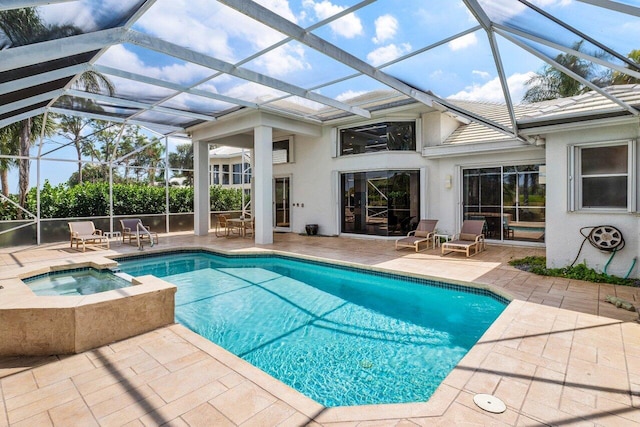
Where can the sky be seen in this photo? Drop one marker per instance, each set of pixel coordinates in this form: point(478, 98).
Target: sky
point(378, 34)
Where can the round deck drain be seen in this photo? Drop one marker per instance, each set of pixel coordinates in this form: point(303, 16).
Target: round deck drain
point(490, 403)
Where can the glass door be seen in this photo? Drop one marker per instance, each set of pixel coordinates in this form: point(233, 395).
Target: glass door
point(510, 199)
point(282, 203)
point(381, 203)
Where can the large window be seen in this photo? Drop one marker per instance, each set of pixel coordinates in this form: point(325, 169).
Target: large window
point(384, 203)
point(238, 173)
point(386, 136)
point(225, 174)
point(510, 199)
point(602, 175)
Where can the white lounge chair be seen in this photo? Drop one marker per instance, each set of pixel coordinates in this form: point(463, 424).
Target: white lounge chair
point(470, 240)
point(85, 232)
point(422, 235)
point(133, 229)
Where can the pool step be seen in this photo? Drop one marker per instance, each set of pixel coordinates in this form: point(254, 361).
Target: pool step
point(124, 276)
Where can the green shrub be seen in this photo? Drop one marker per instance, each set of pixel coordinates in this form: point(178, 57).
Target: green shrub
point(92, 199)
point(538, 265)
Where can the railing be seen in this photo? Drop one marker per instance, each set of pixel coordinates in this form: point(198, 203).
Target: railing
point(52, 230)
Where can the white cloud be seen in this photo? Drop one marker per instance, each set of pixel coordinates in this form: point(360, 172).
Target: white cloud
point(284, 60)
point(384, 54)
point(74, 13)
point(507, 9)
point(348, 26)
point(492, 90)
point(281, 7)
point(350, 94)
point(463, 42)
point(119, 57)
point(386, 27)
point(253, 92)
point(482, 74)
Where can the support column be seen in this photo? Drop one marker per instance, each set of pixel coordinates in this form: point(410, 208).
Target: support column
point(263, 178)
point(201, 188)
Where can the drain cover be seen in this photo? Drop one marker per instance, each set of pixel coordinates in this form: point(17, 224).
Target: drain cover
point(490, 403)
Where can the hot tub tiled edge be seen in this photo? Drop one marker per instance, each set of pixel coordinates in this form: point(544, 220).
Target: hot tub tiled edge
point(38, 325)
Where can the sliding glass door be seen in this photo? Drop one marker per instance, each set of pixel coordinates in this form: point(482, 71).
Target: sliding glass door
point(511, 200)
point(382, 203)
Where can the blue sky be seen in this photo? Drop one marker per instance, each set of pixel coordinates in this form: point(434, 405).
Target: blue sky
point(379, 33)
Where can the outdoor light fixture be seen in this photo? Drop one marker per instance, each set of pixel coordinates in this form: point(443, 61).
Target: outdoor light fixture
point(448, 181)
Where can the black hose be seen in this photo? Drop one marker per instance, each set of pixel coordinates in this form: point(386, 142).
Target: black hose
point(590, 237)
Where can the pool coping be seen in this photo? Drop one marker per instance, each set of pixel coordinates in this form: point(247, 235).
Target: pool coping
point(498, 294)
point(35, 325)
point(435, 406)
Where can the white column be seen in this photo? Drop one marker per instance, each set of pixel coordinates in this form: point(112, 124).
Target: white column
point(201, 188)
point(263, 178)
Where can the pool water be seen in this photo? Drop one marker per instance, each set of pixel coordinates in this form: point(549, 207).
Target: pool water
point(77, 282)
point(340, 336)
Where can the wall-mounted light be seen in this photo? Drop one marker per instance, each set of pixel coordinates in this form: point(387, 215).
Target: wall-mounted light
point(448, 181)
point(542, 174)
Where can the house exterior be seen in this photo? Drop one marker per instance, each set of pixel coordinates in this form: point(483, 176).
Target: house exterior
point(573, 170)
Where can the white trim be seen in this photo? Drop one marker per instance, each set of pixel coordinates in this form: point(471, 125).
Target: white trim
point(406, 118)
point(289, 201)
point(453, 150)
point(575, 175)
point(424, 193)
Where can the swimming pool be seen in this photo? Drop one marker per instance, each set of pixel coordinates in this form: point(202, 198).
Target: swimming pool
point(82, 281)
point(339, 335)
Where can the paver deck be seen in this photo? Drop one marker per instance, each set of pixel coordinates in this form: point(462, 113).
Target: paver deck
point(558, 355)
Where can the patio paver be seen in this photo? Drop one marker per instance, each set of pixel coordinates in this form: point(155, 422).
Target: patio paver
point(557, 355)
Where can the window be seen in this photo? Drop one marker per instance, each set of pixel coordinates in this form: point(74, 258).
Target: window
point(225, 174)
point(603, 176)
point(510, 199)
point(281, 151)
point(386, 136)
point(383, 203)
point(237, 173)
point(216, 174)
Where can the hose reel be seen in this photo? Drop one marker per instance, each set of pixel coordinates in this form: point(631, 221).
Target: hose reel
point(606, 238)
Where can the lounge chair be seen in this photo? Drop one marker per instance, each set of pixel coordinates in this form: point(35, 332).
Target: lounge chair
point(423, 234)
point(134, 229)
point(470, 240)
point(85, 232)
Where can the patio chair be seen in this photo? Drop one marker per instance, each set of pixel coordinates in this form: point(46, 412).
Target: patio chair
point(423, 234)
point(250, 228)
point(470, 240)
point(85, 232)
point(224, 228)
point(134, 229)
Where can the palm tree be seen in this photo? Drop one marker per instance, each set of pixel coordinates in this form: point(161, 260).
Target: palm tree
point(22, 27)
point(551, 83)
point(182, 160)
point(8, 146)
point(151, 157)
point(625, 79)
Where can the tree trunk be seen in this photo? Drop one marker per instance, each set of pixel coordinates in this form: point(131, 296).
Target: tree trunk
point(79, 151)
point(23, 164)
point(4, 181)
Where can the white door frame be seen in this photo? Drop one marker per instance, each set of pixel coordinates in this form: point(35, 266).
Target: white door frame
point(290, 205)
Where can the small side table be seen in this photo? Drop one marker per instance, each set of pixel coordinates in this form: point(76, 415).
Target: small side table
point(438, 237)
point(113, 235)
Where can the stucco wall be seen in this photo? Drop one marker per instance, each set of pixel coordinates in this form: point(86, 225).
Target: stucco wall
point(448, 209)
point(314, 184)
point(563, 227)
